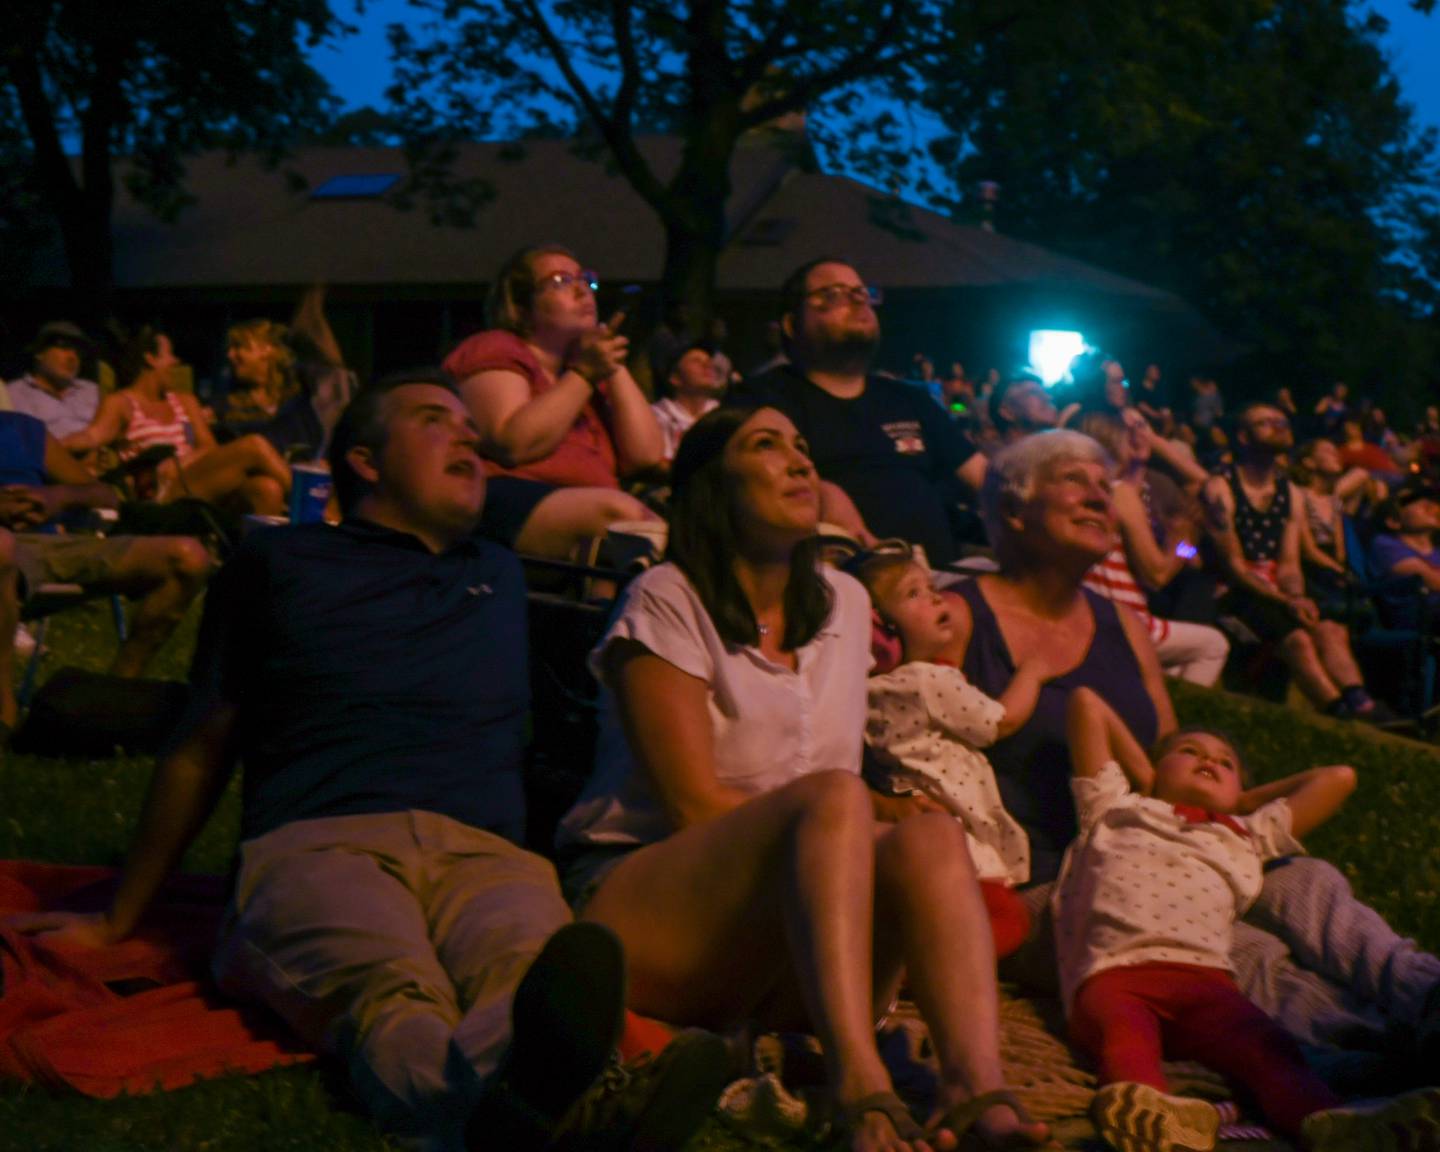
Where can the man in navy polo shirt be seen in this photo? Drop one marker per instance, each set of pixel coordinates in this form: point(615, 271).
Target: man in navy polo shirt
point(372, 678)
point(891, 461)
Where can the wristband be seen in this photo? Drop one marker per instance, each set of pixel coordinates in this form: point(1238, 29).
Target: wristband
point(573, 368)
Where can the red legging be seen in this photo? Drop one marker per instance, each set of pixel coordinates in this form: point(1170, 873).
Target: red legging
point(1127, 1018)
point(1009, 918)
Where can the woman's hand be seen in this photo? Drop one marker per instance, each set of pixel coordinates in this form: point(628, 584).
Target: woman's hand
point(599, 353)
point(1304, 610)
point(893, 809)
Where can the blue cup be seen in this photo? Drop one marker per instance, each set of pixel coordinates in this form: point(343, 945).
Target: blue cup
point(310, 490)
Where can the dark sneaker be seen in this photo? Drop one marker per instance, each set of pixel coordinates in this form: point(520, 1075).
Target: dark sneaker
point(1408, 1123)
point(1381, 715)
point(654, 1104)
point(567, 1016)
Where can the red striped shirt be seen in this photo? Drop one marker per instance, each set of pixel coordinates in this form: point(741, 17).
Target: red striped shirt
point(1113, 579)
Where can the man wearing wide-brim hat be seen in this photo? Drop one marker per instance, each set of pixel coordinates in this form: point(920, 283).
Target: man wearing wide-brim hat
point(53, 391)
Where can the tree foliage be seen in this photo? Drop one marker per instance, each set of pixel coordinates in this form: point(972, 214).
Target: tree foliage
point(707, 70)
point(1253, 155)
point(151, 83)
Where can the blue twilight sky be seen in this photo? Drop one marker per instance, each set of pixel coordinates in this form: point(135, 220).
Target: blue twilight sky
point(359, 69)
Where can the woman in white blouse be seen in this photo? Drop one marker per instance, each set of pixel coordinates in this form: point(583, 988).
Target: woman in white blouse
point(727, 836)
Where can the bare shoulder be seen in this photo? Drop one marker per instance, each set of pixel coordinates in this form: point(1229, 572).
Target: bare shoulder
point(1136, 630)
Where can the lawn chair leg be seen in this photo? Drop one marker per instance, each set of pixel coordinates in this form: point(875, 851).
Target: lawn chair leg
point(117, 607)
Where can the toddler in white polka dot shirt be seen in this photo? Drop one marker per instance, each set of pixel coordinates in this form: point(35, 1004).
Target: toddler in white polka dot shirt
point(926, 722)
point(1169, 855)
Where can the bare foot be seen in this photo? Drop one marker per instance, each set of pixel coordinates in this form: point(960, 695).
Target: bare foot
point(880, 1122)
point(875, 1133)
point(999, 1126)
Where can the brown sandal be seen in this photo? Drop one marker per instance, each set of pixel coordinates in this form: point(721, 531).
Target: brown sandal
point(961, 1120)
point(848, 1116)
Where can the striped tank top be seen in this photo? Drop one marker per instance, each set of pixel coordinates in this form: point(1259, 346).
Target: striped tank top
point(1113, 579)
point(144, 431)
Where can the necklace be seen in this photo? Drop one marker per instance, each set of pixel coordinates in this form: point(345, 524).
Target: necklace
point(763, 629)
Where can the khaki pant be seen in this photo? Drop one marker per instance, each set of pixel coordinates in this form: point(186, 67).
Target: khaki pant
point(393, 942)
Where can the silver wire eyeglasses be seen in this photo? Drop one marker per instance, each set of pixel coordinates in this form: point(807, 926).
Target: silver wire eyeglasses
point(561, 280)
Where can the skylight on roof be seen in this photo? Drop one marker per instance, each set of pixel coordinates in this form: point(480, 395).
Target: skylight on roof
point(356, 186)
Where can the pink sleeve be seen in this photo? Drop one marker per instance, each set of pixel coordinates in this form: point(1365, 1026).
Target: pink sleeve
point(492, 351)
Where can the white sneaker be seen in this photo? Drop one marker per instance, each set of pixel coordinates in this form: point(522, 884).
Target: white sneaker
point(1137, 1118)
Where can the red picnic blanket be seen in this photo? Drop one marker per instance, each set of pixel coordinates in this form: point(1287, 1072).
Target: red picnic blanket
point(136, 1017)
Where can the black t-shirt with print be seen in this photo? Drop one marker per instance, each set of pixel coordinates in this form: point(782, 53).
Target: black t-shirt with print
point(892, 449)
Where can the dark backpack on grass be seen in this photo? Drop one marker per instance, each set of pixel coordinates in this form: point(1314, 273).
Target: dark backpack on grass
point(80, 713)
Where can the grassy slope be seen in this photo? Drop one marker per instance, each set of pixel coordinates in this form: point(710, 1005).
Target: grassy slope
point(82, 811)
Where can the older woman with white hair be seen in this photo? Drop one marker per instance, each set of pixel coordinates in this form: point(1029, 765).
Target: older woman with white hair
point(1047, 507)
point(1307, 950)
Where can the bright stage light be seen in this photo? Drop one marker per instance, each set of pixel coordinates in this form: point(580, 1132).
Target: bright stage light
point(1052, 351)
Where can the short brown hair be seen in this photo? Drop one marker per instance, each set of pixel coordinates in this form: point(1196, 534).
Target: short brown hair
point(1168, 741)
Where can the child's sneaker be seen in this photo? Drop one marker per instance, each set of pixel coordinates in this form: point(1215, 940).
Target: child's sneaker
point(1137, 1118)
point(1408, 1123)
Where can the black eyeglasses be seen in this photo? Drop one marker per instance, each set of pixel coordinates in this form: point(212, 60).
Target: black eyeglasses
point(832, 295)
point(560, 280)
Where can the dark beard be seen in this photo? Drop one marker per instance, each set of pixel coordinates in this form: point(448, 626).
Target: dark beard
point(852, 353)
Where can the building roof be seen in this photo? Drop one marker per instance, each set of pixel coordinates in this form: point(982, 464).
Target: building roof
point(250, 226)
point(899, 245)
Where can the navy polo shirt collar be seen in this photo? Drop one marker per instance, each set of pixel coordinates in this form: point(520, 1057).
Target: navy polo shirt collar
point(362, 529)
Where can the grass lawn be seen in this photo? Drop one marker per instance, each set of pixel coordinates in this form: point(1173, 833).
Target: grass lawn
point(82, 811)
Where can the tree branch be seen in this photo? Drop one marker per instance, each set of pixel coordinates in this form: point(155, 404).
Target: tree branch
point(56, 175)
point(629, 64)
point(618, 137)
point(866, 61)
point(755, 64)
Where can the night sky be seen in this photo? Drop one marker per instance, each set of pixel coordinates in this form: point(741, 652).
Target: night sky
point(360, 69)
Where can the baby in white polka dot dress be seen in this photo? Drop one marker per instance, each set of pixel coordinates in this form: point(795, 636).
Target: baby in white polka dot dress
point(926, 723)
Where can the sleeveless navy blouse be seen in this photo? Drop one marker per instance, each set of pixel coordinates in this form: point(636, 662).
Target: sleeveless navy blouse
point(1032, 765)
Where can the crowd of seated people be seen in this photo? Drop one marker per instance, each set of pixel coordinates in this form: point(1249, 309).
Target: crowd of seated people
point(729, 863)
point(1225, 521)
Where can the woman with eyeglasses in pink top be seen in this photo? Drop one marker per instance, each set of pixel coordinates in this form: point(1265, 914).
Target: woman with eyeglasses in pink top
point(560, 418)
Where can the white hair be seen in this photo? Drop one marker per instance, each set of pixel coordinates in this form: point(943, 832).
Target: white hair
point(1011, 475)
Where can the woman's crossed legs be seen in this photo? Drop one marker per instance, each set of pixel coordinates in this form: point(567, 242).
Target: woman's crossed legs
point(766, 913)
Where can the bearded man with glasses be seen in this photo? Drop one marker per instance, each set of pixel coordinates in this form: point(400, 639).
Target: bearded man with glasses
point(890, 461)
